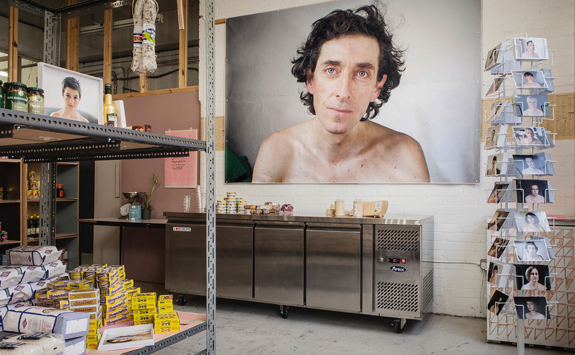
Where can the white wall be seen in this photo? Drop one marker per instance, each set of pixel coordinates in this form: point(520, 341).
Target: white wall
point(460, 210)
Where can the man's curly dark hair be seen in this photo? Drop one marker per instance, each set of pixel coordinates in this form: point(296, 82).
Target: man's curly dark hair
point(366, 20)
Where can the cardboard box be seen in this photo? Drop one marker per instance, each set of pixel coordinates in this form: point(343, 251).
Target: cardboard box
point(374, 208)
point(83, 294)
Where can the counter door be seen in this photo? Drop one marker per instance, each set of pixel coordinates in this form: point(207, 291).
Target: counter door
point(234, 255)
point(279, 259)
point(186, 258)
point(333, 267)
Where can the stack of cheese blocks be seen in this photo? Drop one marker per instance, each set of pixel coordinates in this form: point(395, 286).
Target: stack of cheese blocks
point(88, 301)
point(166, 320)
point(144, 308)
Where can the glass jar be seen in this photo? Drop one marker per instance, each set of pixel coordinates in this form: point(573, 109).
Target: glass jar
point(36, 101)
point(16, 96)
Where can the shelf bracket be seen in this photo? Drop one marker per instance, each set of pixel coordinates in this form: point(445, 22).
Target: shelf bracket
point(7, 131)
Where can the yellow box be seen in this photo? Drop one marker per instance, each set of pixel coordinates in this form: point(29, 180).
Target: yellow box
point(137, 307)
point(131, 292)
point(144, 312)
point(95, 325)
point(83, 294)
point(112, 307)
point(119, 319)
point(144, 298)
point(143, 318)
point(118, 312)
point(62, 304)
point(111, 299)
point(165, 299)
point(107, 273)
point(58, 285)
point(172, 315)
point(128, 284)
point(41, 297)
point(163, 309)
point(112, 290)
point(55, 294)
point(158, 330)
point(79, 285)
point(84, 303)
point(87, 309)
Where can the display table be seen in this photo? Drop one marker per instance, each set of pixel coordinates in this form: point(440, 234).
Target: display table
point(190, 324)
point(124, 223)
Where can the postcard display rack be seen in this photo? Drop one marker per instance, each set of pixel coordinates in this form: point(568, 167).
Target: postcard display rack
point(528, 261)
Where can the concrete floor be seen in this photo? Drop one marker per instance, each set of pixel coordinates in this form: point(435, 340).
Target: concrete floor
point(250, 328)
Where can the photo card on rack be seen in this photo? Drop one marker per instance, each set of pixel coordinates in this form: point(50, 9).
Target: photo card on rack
point(538, 164)
point(531, 250)
point(531, 105)
point(531, 307)
point(501, 193)
point(525, 79)
point(497, 302)
point(549, 79)
point(496, 136)
point(498, 164)
point(533, 136)
point(548, 244)
point(495, 112)
point(506, 62)
point(498, 274)
point(531, 48)
point(531, 222)
point(495, 86)
point(532, 277)
point(534, 191)
point(492, 56)
point(499, 244)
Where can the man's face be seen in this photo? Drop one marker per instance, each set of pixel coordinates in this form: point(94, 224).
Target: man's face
point(530, 162)
point(529, 78)
point(530, 47)
point(534, 190)
point(532, 103)
point(345, 81)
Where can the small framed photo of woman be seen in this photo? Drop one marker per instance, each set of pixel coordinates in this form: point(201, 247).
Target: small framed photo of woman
point(71, 95)
point(532, 222)
point(531, 250)
point(532, 277)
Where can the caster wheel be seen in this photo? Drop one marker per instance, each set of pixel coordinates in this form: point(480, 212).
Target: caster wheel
point(399, 324)
point(284, 310)
point(182, 299)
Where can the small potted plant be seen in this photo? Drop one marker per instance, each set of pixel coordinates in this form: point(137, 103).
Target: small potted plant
point(147, 209)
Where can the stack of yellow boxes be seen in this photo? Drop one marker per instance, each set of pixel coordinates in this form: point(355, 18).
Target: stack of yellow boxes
point(166, 321)
point(144, 308)
point(88, 301)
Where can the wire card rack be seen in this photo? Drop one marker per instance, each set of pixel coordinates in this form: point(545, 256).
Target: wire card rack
point(521, 66)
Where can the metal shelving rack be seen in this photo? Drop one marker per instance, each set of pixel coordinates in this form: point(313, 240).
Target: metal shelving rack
point(48, 140)
point(95, 142)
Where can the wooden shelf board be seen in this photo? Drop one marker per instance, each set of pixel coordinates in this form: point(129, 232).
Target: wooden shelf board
point(9, 242)
point(9, 201)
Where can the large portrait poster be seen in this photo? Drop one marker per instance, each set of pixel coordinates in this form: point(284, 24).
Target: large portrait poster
point(436, 106)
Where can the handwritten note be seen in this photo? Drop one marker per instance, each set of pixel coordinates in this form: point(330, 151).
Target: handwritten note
point(180, 172)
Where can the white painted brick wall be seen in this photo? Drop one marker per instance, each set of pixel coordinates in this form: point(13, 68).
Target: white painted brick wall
point(460, 210)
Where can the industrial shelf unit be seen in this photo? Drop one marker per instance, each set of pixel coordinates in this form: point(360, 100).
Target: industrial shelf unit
point(24, 136)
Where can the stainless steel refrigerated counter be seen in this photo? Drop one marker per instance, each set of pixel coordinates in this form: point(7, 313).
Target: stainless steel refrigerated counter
point(373, 266)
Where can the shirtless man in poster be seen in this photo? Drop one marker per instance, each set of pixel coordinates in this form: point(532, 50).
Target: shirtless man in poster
point(349, 66)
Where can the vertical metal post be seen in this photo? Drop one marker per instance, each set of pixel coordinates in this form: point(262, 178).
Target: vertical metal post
point(51, 38)
point(211, 184)
point(47, 204)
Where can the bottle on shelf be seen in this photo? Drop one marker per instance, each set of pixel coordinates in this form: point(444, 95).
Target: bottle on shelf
point(110, 113)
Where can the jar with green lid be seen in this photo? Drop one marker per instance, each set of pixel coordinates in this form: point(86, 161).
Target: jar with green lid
point(16, 96)
point(36, 101)
point(1, 95)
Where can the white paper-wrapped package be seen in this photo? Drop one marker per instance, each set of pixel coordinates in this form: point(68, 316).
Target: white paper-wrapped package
point(32, 273)
point(20, 348)
point(16, 294)
point(39, 286)
point(52, 344)
point(5, 309)
point(47, 320)
point(10, 276)
point(54, 269)
point(32, 255)
point(75, 346)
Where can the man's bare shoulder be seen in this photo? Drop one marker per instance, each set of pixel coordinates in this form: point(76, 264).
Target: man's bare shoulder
point(277, 152)
point(399, 149)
